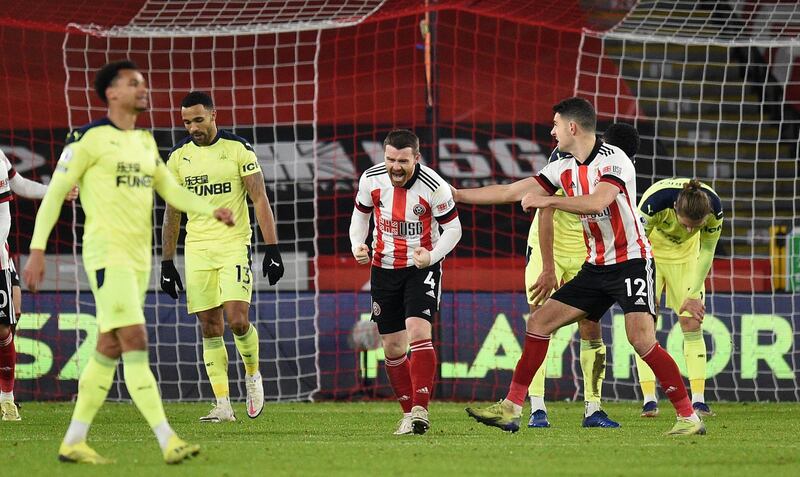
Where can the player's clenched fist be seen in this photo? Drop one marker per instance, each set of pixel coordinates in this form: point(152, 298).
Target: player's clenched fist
point(533, 201)
point(361, 253)
point(422, 257)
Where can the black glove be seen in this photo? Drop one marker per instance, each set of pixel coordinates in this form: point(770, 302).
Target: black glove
point(170, 279)
point(272, 265)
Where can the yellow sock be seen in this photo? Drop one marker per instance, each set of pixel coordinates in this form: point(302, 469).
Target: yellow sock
point(142, 387)
point(536, 388)
point(593, 365)
point(694, 351)
point(647, 380)
point(93, 387)
point(215, 357)
point(247, 344)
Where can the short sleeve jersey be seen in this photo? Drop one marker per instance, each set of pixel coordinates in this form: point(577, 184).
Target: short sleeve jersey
point(616, 234)
point(405, 217)
point(672, 243)
point(568, 238)
point(215, 173)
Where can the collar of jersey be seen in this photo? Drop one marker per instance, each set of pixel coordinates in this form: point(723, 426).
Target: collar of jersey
point(593, 154)
point(216, 138)
point(413, 179)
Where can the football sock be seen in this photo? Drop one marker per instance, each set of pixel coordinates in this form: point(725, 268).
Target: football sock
point(399, 371)
point(694, 351)
point(142, 387)
point(590, 407)
point(247, 344)
point(215, 357)
point(647, 380)
point(163, 432)
point(8, 363)
point(533, 354)
point(537, 404)
point(93, 387)
point(593, 366)
point(669, 377)
point(423, 370)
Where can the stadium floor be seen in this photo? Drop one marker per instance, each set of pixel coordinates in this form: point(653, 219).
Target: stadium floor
point(326, 439)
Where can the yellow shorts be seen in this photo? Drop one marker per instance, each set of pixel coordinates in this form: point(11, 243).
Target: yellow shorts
point(214, 276)
point(118, 297)
point(566, 269)
point(676, 279)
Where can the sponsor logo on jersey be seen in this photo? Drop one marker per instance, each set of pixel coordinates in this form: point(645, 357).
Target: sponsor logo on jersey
point(444, 206)
point(130, 174)
point(403, 228)
point(253, 166)
point(200, 185)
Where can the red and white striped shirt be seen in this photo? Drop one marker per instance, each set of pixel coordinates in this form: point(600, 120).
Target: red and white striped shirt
point(617, 233)
point(7, 171)
point(405, 217)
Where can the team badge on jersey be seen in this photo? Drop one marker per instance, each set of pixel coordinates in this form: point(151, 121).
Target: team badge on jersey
point(419, 209)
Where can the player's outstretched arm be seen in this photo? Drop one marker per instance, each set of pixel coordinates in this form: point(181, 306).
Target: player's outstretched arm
point(272, 265)
point(359, 230)
point(593, 203)
point(495, 194)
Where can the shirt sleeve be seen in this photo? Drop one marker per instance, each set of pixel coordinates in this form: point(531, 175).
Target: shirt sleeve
point(443, 206)
point(248, 162)
point(363, 198)
point(176, 195)
point(72, 164)
point(172, 167)
point(548, 178)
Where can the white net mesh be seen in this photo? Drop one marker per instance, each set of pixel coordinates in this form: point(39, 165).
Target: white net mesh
point(717, 90)
point(258, 60)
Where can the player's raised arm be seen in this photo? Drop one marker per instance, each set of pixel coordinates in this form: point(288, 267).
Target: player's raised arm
point(593, 203)
point(495, 194)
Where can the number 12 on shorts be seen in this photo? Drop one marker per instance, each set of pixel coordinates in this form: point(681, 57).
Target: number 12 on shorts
point(638, 282)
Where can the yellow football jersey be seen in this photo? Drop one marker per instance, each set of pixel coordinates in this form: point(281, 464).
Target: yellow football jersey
point(215, 173)
point(672, 243)
point(117, 171)
point(567, 234)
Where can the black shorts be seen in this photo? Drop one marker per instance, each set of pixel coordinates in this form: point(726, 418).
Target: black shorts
point(597, 287)
point(14, 274)
point(7, 314)
point(401, 293)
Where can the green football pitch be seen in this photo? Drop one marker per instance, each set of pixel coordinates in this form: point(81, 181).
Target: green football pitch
point(349, 439)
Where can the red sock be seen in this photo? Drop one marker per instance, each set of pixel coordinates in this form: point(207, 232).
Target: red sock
point(8, 361)
point(669, 377)
point(533, 354)
point(399, 371)
point(423, 370)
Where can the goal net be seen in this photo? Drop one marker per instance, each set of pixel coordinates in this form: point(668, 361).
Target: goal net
point(258, 60)
point(716, 87)
point(712, 87)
